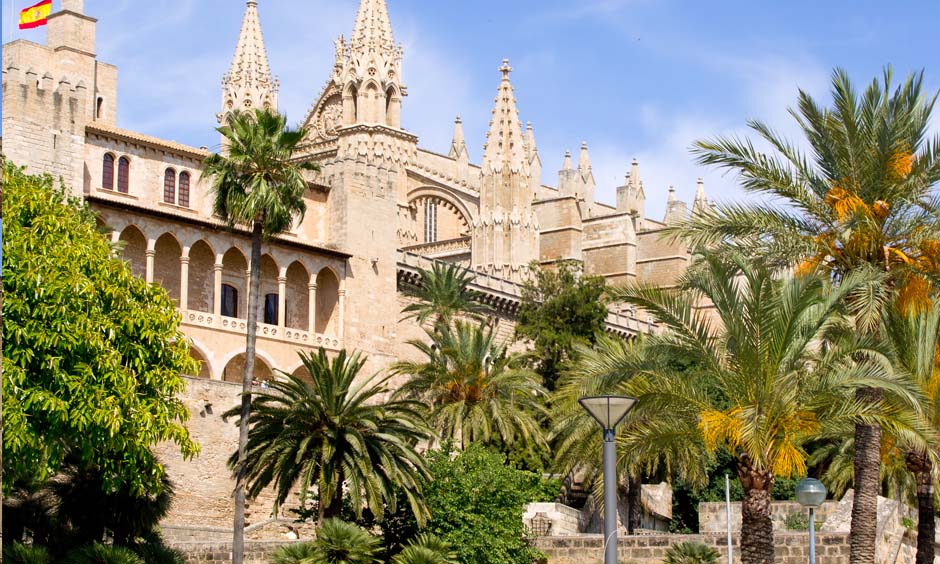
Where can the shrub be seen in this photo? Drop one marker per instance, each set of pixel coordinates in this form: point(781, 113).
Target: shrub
point(19, 553)
point(339, 542)
point(295, 553)
point(799, 521)
point(427, 549)
point(691, 553)
point(98, 553)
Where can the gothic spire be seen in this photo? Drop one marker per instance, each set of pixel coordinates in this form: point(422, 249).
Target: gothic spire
point(248, 83)
point(584, 161)
point(458, 146)
point(700, 204)
point(532, 149)
point(504, 141)
point(373, 30)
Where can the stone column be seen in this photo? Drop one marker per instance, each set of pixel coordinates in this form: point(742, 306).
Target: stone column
point(341, 329)
point(217, 284)
point(151, 253)
point(184, 279)
point(312, 307)
point(282, 298)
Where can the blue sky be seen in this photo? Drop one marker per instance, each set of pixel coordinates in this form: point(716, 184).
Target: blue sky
point(633, 78)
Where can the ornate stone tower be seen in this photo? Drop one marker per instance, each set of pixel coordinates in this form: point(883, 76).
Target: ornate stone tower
point(506, 231)
point(248, 83)
point(630, 196)
point(358, 119)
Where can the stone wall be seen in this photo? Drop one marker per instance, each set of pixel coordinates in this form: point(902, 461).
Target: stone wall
point(712, 516)
point(257, 552)
point(790, 548)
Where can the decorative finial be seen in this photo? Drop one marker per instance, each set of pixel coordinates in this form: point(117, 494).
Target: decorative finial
point(505, 69)
point(584, 144)
point(458, 120)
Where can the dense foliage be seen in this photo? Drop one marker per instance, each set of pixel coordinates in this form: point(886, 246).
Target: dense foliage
point(476, 502)
point(560, 307)
point(92, 355)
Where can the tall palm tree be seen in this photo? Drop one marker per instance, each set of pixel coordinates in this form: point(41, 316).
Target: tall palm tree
point(443, 292)
point(259, 185)
point(861, 195)
point(765, 384)
point(332, 431)
point(476, 388)
point(916, 339)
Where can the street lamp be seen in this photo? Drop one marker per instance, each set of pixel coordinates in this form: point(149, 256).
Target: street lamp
point(810, 492)
point(609, 411)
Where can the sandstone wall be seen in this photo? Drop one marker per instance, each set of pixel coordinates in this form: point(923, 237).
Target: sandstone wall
point(712, 517)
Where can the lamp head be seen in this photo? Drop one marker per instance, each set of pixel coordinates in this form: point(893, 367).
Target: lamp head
point(608, 411)
point(810, 492)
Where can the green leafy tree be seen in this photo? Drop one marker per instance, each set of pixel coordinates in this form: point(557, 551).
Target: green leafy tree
point(443, 293)
point(477, 501)
point(92, 356)
point(333, 430)
point(559, 308)
point(476, 388)
point(765, 387)
point(258, 184)
point(860, 196)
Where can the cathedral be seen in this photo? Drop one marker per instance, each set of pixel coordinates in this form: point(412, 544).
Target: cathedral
point(380, 208)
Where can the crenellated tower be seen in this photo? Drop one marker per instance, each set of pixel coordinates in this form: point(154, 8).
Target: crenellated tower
point(249, 84)
point(506, 232)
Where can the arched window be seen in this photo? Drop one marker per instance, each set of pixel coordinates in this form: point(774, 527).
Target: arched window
point(270, 309)
point(169, 186)
point(99, 107)
point(107, 172)
point(124, 171)
point(229, 301)
point(183, 194)
point(430, 220)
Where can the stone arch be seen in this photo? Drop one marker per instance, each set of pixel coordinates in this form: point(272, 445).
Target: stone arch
point(327, 302)
point(392, 106)
point(201, 278)
point(302, 373)
point(269, 287)
point(235, 275)
point(439, 216)
point(205, 369)
point(371, 102)
point(297, 301)
point(234, 370)
point(350, 104)
point(166, 264)
point(135, 250)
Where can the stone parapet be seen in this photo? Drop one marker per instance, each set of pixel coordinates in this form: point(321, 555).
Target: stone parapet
point(712, 516)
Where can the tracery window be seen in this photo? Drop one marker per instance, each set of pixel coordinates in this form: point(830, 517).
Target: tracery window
point(124, 170)
point(430, 221)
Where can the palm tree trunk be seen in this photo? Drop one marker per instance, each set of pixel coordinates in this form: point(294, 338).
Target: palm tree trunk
point(919, 464)
point(867, 464)
point(757, 529)
point(333, 507)
point(634, 504)
point(238, 541)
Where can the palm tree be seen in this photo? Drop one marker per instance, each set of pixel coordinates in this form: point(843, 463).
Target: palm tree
point(258, 184)
point(332, 430)
point(609, 368)
point(859, 196)
point(443, 293)
point(476, 388)
point(764, 386)
point(916, 339)
point(339, 542)
point(427, 549)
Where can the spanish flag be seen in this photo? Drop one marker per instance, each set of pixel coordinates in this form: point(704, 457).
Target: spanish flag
point(35, 15)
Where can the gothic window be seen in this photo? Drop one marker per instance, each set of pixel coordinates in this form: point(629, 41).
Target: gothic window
point(99, 107)
point(107, 172)
point(270, 309)
point(430, 221)
point(124, 169)
point(169, 186)
point(229, 301)
point(183, 194)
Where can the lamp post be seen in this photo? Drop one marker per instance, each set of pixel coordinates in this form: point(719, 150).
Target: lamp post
point(609, 411)
point(810, 492)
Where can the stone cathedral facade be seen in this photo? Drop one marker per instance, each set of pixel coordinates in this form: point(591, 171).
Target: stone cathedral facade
point(381, 207)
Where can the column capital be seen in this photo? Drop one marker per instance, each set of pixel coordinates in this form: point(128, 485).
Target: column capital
point(151, 253)
point(342, 293)
point(217, 267)
point(184, 259)
point(282, 280)
point(312, 286)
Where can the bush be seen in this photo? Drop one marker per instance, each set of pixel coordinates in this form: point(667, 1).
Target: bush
point(427, 549)
point(691, 553)
point(799, 521)
point(19, 553)
point(101, 554)
point(476, 502)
